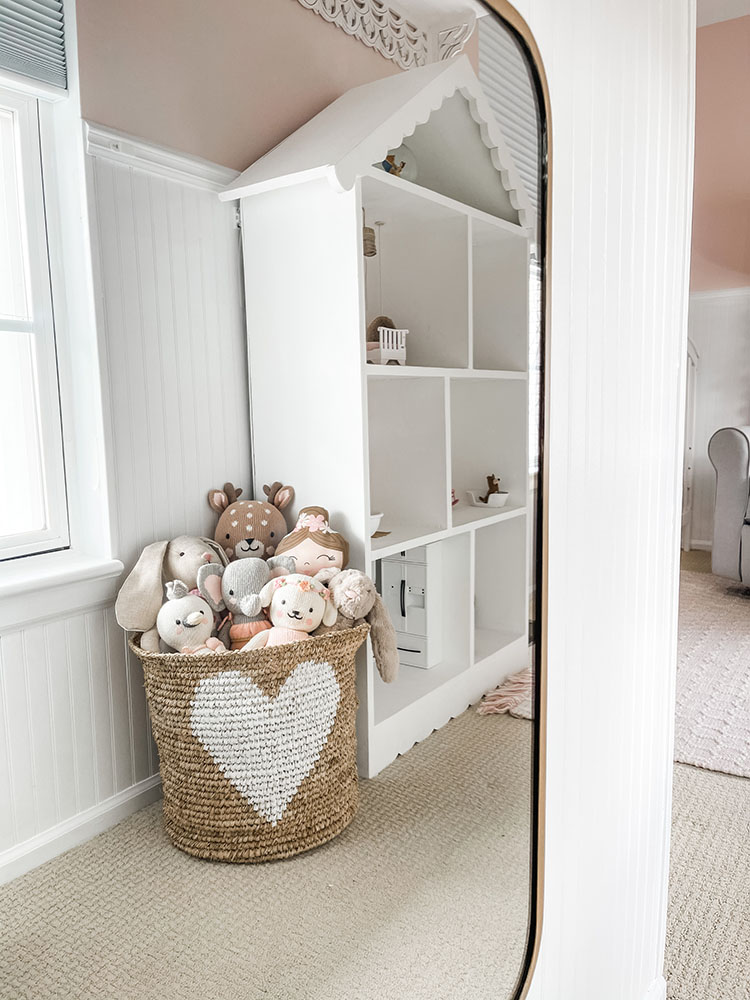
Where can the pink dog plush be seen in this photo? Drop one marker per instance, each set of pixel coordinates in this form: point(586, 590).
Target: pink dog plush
point(297, 605)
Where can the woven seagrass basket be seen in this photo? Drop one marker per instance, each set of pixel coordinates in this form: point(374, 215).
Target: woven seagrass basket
point(258, 749)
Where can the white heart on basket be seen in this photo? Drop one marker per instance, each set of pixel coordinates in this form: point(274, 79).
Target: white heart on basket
point(265, 746)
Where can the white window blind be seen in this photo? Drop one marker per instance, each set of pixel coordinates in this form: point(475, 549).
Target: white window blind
point(32, 39)
point(505, 80)
point(504, 75)
point(33, 506)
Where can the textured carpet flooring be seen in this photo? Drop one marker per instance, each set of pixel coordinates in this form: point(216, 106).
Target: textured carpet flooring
point(696, 561)
point(423, 897)
point(713, 675)
point(708, 933)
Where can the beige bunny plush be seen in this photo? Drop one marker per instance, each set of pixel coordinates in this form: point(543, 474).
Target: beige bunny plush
point(141, 595)
point(355, 598)
point(297, 605)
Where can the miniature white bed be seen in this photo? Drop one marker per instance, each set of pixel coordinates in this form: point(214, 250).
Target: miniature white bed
point(390, 347)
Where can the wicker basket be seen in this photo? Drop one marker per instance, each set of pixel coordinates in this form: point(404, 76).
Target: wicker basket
point(258, 749)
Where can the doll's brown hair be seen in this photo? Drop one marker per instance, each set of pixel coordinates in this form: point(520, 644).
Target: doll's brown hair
point(323, 535)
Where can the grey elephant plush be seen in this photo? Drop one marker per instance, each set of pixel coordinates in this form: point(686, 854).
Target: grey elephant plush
point(142, 593)
point(236, 589)
point(355, 598)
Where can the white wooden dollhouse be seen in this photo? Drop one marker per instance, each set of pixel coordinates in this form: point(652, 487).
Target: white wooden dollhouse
point(452, 267)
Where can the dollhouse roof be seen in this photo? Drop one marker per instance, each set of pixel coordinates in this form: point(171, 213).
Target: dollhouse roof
point(446, 120)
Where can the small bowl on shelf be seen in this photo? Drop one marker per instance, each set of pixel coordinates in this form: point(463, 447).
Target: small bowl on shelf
point(375, 520)
point(493, 500)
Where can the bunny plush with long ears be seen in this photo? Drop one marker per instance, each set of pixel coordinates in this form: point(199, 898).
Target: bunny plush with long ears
point(142, 594)
point(250, 529)
point(185, 622)
point(357, 600)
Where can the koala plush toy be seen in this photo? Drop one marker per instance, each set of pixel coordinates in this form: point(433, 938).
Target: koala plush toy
point(236, 590)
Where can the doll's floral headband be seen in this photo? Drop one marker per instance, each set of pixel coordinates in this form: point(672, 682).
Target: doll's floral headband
point(307, 584)
point(314, 522)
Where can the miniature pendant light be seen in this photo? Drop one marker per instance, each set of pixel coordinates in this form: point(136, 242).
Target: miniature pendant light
point(369, 245)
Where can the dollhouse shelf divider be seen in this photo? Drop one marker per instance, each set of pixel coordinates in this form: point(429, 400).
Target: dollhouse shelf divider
point(452, 268)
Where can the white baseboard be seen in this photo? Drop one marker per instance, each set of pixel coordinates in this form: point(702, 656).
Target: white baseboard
point(77, 830)
point(696, 543)
point(657, 990)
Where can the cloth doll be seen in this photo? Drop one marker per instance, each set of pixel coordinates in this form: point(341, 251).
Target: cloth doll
point(313, 544)
point(250, 529)
point(356, 599)
point(236, 589)
point(185, 622)
point(297, 605)
point(142, 593)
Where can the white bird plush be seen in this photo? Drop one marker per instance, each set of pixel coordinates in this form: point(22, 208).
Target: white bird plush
point(186, 622)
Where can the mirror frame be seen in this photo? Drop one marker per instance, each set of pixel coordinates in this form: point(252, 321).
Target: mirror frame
point(519, 29)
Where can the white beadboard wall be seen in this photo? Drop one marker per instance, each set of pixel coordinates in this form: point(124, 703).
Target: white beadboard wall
point(75, 749)
point(719, 325)
point(621, 86)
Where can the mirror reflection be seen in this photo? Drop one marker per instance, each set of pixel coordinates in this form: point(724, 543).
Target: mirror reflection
point(304, 715)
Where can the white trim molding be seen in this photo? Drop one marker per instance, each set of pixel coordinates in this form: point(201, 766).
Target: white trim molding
point(54, 585)
point(78, 829)
point(657, 990)
point(131, 151)
point(393, 33)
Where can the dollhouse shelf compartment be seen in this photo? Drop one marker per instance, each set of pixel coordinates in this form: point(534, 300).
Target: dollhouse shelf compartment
point(452, 268)
point(465, 518)
point(402, 189)
point(415, 371)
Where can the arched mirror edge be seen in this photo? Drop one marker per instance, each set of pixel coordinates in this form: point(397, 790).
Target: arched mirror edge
point(518, 27)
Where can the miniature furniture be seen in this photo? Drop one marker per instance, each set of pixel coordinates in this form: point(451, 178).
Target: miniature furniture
point(412, 590)
point(452, 267)
point(729, 451)
point(390, 347)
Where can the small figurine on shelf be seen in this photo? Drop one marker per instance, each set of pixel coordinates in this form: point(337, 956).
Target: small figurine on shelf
point(454, 498)
point(386, 345)
point(391, 167)
point(401, 163)
point(494, 497)
point(493, 484)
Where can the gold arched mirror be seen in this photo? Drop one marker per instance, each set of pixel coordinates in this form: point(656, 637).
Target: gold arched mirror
point(380, 175)
point(413, 209)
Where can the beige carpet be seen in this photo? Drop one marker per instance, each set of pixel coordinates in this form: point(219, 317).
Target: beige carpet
point(424, 896)
point(708, 933)
point(696, 561)
point(712, 726)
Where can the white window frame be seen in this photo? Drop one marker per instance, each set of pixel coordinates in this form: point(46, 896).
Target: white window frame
point(55, 535)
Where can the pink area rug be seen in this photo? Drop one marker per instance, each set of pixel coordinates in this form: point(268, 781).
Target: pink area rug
point(713, 674)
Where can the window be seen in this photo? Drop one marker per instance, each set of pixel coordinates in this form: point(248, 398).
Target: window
point(33, 506)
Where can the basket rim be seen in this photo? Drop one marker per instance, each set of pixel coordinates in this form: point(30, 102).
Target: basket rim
point(249, 655)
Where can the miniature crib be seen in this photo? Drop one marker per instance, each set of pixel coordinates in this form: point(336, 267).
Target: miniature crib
point(389, 348)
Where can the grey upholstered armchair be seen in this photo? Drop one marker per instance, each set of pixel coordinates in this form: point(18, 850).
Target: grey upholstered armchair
point(729, 451)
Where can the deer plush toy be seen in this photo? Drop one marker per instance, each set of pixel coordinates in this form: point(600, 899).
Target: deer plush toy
point(250, 529)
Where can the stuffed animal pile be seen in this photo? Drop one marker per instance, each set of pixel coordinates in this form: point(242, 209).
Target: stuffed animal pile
point(254, 585)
